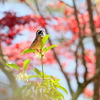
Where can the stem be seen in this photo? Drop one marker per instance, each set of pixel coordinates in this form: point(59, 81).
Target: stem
point(42, 71)
point(42, 65)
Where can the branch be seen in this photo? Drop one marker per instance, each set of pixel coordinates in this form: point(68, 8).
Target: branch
point(66, 4)
point(92, 26)
point(80, 42)
point(8, 73)
point(4, 84)
point(95, 7)
point(94, 77)
point(76, 55)
point(83, 85)
point(75, 12)
point(29, 3)
point(61, 68)
point(97, 47)
point(83, 61)
point(91, 16)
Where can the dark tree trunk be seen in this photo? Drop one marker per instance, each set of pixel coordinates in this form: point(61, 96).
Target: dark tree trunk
point(7, 71)
point(97, 47)
point(97, 80)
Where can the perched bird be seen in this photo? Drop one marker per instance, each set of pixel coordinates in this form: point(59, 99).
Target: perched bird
point(36, 44)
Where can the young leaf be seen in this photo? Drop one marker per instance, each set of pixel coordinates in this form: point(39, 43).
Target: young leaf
point(52, 77)
point(37, 71)
point(26, 62)
point(28, 51)
point(13, 65)
point(48, 48)
point(18, 91)
point(62, 88)
point(44, 40)
point(32, 76)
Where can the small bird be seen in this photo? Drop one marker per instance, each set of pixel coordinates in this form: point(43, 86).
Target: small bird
point(36, 44)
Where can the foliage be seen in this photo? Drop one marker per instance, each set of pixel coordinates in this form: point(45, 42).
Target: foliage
point(46, 88)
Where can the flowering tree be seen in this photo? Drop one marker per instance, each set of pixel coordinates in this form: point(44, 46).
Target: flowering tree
point(74, 27)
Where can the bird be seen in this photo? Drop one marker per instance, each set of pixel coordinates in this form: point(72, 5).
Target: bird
point(36, 44)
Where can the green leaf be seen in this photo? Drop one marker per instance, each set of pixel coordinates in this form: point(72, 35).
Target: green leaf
point(13, 65)
point(48, 48)
point(59, 94)
point(25, 92)
point(62, 88)
point(32, 76)
point(52, 77)
point(28, 51)
point(18, 91)
point(26, 62)
point(37, 71)
point(44, 40)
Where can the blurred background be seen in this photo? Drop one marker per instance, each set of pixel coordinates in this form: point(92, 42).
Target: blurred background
point(73, 25)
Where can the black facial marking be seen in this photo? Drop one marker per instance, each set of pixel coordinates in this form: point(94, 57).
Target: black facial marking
point(40, 32)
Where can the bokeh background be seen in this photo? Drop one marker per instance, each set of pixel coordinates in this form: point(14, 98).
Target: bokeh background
point(73, 25)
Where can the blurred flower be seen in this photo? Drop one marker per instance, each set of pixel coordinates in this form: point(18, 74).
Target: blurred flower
point(88, 92)
point(22, 76)
point(3, 90)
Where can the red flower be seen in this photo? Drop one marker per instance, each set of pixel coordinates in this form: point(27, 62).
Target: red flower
point(88, 92)
point(21, 0)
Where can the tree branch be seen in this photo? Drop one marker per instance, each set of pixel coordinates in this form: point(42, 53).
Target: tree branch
point(8, 73)
point(80, 44)
point(76, 55)
point(83, 85)
point(29, 3)
point(92, 26)
point(97, 47)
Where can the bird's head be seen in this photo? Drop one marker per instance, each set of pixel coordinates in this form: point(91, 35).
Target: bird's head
point(39, 33)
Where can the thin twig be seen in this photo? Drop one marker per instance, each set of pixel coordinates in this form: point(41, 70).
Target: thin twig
point(29, 3)
point(92, 26)
point(80, 42)
point(76, 55)
point(4, 84)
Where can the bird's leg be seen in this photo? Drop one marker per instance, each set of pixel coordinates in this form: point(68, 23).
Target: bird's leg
point(37, 50)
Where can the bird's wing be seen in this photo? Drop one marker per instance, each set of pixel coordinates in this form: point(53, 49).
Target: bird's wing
point(33, 43)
